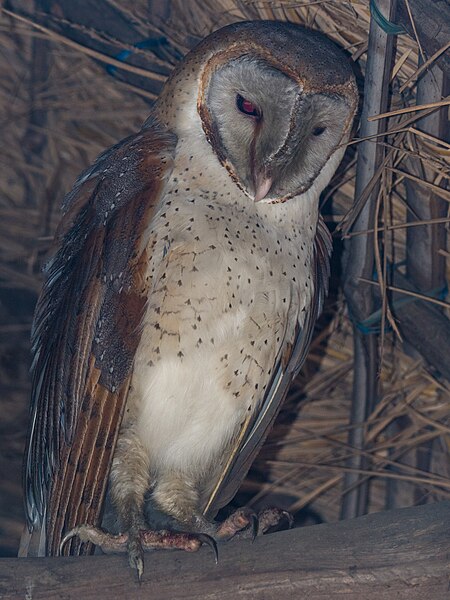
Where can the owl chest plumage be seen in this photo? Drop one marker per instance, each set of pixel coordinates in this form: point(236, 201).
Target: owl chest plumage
point(229, 283)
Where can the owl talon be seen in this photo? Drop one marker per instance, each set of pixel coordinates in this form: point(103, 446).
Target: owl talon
point(272, 517)
point(136, 554)
point(254, 526)
point(243, 521)
point(211, 542)
point(247, 524)
point(136, 543)
point(107, 542)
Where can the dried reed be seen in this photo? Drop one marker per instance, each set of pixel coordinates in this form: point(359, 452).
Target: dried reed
point(56, 118)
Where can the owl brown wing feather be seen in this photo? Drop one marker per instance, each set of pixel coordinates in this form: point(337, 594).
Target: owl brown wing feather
point(86, 331)
point(256, 428)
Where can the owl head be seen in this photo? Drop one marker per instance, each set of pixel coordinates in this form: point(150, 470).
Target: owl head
point(276, 102)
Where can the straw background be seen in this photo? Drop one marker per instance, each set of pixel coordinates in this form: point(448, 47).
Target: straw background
point(60, 107)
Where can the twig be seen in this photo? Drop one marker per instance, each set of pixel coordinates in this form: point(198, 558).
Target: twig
point(409, 109)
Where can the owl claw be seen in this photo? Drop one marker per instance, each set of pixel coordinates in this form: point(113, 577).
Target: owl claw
point(107, 542)
point(136, 543)
point(135, 552)
point(247, 524)
point(72, 533)
point(243, 521)
point(272, 517)
point(254, 526)
point(211, 542)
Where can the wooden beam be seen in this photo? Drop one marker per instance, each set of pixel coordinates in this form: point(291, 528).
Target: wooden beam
point(401, 554)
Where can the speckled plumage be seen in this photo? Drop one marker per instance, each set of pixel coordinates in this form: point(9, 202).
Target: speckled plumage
point(226, 301)
point(200, 315)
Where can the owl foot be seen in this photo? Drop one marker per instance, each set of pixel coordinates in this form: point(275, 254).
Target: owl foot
point(246, 523)
point(243, 521)
point(273, 517)
point(135, 543)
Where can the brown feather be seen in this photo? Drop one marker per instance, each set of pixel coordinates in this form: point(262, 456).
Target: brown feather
point(86, 331)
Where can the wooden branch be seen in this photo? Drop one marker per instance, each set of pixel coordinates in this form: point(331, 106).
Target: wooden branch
point(401, 554)
point(359, 259)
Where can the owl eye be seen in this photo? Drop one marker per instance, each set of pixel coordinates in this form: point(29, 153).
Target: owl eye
point(247, 107)
point(318, 131)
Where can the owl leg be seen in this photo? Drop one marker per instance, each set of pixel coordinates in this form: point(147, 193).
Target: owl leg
point(130, 480)
point(177, 495)
point(246, 523)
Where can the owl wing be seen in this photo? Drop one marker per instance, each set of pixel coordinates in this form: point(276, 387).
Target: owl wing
point(85, 334)
point(256, 428)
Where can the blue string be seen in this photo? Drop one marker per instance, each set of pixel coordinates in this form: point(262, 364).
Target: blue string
point(387, 26)
point(124, 54)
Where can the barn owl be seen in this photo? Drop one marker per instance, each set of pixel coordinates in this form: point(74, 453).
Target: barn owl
point(189, 269)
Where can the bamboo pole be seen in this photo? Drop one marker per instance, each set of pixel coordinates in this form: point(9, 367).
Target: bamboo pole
point(359, 255)
point(425, 268)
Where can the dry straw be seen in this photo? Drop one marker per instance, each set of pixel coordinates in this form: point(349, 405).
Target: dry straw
point(60, 108)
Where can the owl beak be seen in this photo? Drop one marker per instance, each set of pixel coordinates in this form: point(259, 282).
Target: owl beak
point(262, 186)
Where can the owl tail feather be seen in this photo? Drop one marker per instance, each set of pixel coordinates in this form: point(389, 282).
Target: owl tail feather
point(32, 543)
